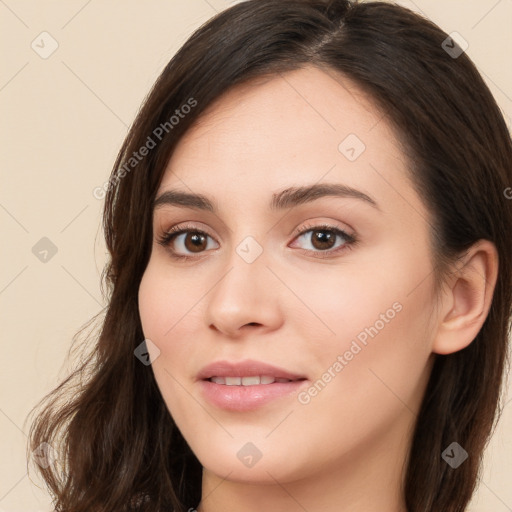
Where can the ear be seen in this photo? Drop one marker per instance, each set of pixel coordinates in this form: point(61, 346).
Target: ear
point(466, 298)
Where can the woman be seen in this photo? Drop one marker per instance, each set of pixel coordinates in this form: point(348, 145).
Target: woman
point(310, 276)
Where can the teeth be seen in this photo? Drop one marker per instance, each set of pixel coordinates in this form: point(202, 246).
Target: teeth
point(251, 381)
point(247, 381)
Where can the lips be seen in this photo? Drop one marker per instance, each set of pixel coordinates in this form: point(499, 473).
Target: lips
point(247, 385)
point(239, 373)
point(255, 380)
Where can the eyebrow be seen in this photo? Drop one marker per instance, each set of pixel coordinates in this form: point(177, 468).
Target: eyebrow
point(284, 199)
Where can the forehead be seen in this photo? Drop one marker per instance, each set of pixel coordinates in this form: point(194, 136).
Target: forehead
point(303, 126)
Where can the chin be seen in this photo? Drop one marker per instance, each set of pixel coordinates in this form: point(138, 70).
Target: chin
point(240, 462)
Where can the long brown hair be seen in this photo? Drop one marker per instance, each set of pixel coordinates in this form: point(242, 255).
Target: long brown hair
point(116, 443)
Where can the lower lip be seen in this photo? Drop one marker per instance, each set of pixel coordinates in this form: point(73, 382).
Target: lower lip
point(247, 398)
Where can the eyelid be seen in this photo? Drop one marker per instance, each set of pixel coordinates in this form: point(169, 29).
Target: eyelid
point(174, 231)
point(311, 225)
point(351, 238)
point(301, 229)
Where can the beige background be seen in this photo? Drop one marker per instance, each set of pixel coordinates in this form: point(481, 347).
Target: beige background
point(63, 119)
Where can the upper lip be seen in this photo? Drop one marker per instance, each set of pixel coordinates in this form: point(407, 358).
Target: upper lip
point(246, 368)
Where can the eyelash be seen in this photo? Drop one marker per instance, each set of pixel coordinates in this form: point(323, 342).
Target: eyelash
point(350, 240)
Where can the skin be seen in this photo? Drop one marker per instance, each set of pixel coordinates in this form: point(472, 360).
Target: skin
point(345, 448)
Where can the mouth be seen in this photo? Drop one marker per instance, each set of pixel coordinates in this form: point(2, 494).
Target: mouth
point(246, 373)
point(247, 385)
point(254, 380)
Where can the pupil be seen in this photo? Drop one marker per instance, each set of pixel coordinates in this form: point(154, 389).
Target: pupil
point(323, 238)
point(197, 239)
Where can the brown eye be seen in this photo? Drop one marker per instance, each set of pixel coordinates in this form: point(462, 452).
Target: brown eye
point(184, 241)
point(194, 242)
point(323, 239)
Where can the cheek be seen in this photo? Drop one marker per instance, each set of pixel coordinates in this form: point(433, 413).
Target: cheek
point(372, 374)
point(372, 327)
point(160, 311)
point(340, 302)
point(163, 312)
point(170, 313)
point(164, 302)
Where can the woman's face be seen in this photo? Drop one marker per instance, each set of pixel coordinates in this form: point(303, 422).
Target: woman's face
point(348, 314)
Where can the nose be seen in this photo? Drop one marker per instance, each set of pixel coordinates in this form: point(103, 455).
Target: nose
point(244, 298)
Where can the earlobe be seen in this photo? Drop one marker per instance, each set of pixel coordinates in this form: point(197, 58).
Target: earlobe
point(466, 298)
